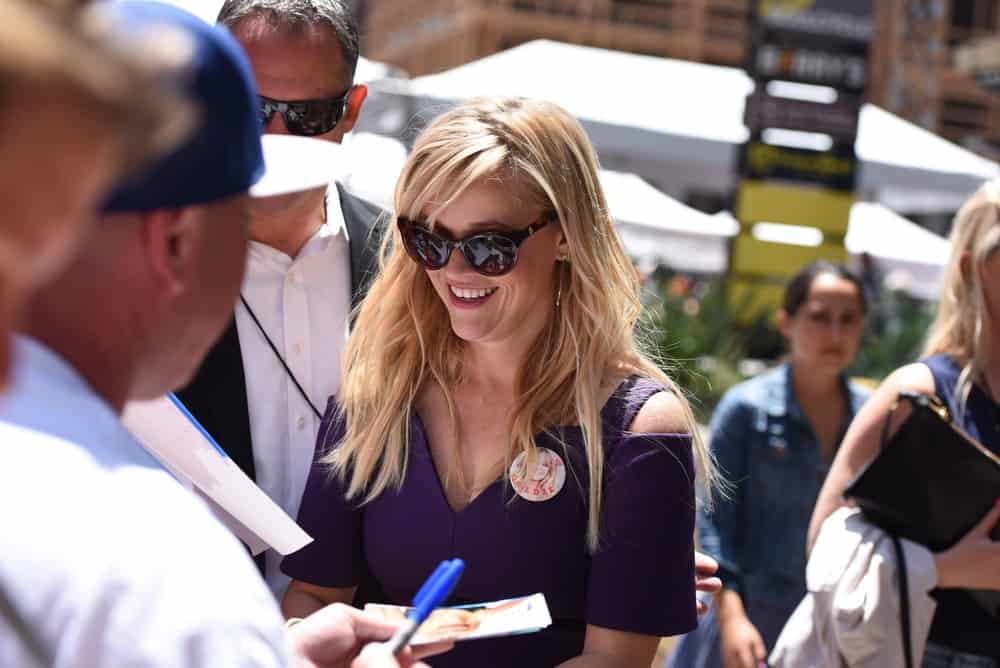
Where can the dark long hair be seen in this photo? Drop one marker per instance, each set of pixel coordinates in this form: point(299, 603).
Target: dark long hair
point(797, 288)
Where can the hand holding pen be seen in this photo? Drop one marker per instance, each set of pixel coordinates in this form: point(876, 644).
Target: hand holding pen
point(431, 595)
point(333, 636)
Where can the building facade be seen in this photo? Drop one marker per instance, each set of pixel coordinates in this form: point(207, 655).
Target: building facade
point(913, 57)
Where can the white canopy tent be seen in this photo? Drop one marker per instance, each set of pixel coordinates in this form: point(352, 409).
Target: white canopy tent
point(678, 123)
point(657, 229)
point(910, 257)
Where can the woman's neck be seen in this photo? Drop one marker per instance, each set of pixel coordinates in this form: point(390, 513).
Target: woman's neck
point(492, 368)
point(496, 365)
point(810, 384)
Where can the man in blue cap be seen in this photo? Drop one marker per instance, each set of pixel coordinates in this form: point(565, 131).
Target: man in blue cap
point(107, 560)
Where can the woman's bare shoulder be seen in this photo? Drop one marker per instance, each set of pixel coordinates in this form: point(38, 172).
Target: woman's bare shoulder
point(914, 377)
point(663, 413)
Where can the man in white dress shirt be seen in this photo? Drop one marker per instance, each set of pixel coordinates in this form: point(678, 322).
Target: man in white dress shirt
point(263, 388)
point(106, 559)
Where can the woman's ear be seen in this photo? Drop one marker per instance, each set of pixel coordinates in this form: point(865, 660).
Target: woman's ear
point(784, 322)
point(562, 247)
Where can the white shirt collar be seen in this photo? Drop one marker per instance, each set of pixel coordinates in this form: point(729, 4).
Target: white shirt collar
point(317, 244)
point(334, 214)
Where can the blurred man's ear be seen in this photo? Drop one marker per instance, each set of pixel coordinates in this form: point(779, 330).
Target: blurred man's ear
point(352, 112)
point(168, 241)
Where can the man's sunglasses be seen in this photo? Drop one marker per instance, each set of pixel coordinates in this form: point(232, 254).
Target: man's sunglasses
point(306, 118)
point(490, 253)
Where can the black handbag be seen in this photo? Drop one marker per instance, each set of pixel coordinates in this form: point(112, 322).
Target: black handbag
point(930, 483)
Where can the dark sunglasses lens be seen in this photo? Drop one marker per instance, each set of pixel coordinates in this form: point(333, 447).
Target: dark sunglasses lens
point(266, 112)
point(428, 249)
point(491, 254)
point(316, 118)
point(306, 119)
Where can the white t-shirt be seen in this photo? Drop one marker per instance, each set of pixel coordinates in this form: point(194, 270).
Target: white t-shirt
point(104, 555)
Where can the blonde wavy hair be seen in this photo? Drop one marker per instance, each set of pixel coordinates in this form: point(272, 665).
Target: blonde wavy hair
point(403, 336)
point(962, 322)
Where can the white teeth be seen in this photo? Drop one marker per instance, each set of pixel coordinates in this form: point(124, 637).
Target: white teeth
point(467, 293)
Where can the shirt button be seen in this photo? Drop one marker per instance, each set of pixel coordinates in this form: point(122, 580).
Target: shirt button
point(301, 422)
point(297, 348)
point(296, 278)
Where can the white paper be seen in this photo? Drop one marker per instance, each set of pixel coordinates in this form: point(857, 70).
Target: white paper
point(513, 616)
point(174, 437)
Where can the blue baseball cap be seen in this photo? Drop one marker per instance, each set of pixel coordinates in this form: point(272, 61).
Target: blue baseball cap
point(224, 156)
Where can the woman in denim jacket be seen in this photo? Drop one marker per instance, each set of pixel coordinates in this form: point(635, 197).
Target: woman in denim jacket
point(774, 437)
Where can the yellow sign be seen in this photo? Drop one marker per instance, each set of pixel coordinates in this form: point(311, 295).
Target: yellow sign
point(764, 158)
point(828, 210)
point(750, 300)
point(783, 7)
point(767, 258)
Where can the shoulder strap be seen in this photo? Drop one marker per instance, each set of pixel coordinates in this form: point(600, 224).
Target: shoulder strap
point(888, 422)
point(904, 599)
point(945, 373)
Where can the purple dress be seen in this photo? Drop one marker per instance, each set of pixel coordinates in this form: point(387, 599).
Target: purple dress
point(641, 579)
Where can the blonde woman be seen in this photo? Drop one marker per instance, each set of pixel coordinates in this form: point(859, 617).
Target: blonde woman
point(962, 366)
point(495, 408)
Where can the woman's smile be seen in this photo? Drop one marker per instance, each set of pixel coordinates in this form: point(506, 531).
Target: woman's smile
point(470, 296)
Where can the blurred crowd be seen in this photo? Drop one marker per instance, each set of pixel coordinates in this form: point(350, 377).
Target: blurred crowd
point(458, 377)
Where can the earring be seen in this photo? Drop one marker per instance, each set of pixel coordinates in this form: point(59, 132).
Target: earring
point(559, 282)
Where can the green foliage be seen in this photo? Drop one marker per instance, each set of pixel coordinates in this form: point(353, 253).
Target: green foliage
point(897, 329)
point(693, 337)
point(690, 331)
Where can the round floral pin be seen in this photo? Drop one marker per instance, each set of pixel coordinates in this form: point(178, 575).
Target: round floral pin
point(544, 482)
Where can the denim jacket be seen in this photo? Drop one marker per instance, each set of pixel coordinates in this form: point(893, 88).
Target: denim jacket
point(767, 450)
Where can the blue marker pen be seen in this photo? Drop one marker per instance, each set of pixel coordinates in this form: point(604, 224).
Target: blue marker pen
point(431, 595)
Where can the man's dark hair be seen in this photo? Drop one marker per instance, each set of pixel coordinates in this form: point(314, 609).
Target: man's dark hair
point(299, 14)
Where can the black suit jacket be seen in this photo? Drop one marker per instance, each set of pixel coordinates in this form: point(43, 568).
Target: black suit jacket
point(217, 395)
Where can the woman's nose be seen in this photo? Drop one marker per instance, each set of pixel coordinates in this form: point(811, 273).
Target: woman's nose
point(836, 330)
point(458, 262)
